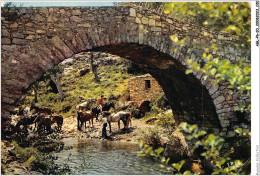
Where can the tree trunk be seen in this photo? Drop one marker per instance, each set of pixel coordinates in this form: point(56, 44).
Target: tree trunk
point(94, 67)
point(56, 80)
point(35, 95)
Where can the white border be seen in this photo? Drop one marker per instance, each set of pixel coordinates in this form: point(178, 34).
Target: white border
point(254, 69)
point(254, 92)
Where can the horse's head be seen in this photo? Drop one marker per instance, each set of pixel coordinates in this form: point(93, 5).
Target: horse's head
point(112, 105)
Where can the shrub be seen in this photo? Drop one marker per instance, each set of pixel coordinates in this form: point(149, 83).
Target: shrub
point(27, 155)
point(166, 120)
point(151, 137)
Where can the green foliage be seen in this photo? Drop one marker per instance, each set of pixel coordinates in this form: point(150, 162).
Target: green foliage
point(26, 155)
point(166, 121)
point(174, 168)
point(160, 101)
point(212, 146)
point(231, 17)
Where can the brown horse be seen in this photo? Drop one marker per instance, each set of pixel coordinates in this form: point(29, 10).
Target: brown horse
point(58, 119)
point(41, 110)
point(83, 117)
point(44, 123)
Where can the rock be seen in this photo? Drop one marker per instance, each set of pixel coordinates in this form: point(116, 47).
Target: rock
point(68, 62)
point(177, 149)
point(84, 71)
point(151, 120)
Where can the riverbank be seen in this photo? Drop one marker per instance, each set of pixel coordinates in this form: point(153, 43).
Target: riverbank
point(133, 134)
point(11, 165)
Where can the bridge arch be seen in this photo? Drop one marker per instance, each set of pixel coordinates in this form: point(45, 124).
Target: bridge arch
point(36, 39)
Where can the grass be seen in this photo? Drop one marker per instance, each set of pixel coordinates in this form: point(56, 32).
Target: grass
point(113, 83)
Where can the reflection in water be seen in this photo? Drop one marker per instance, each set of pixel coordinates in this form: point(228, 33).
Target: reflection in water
point(92, 156)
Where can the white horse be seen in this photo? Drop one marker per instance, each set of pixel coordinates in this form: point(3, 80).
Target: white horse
point(121, 115)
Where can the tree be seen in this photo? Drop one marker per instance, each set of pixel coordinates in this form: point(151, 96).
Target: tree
point(56, 80)
point(94, 67)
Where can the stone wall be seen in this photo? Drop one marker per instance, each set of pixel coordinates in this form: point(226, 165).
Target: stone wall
point(35, 39)
point(140, 92)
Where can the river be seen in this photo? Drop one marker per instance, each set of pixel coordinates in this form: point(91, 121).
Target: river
point(102, 157)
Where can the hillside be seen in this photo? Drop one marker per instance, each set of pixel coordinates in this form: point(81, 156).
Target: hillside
point(79, 85)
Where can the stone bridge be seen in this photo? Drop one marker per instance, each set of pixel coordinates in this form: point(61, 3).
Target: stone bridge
point(36, 39)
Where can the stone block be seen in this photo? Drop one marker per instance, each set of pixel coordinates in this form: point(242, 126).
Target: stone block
point(5, 41)
point(213, 89)
point(132, 12)
point(14, 25)
point(62, 11)
point(158, 23)
point(84, 25)
point(75, 19)
point(219, 100)
point(144, 20)
point(137, 20)
point(40, 32)
point(44, 10)
point(5, 33)
point(169, 21)
point(151, 22)
point(156, 29)
point(76, 12)
point(19, 41)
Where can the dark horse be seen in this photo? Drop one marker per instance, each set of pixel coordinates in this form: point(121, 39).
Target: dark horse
point(58, 119)
point(44, 110)
point(25, 122)
point(105, 107)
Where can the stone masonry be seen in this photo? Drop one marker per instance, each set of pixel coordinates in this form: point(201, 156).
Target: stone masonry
point(33, 40)
point(139, 89)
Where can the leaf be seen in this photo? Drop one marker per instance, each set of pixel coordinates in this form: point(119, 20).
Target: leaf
point(159, 150)
point(187, 172)
point(211, 139)
point(166, 11)
point(239, 130)
point(189, 61)
point(213, 71)
point(195, 66)
point(201, 133)
point(188, 71)
point(141, 154)
point(167, 160)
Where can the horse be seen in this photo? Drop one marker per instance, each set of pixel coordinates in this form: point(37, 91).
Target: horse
point(39, 110)
point(25, 122)
point(106, 107)
point(44, 123)
point(121, 115)
point(83, 117)
point(58, 119)
point(96, 111)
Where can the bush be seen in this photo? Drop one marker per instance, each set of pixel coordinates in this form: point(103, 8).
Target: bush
point(166, 120)
point(27, 155)
point(151, 137)
point(160, 101)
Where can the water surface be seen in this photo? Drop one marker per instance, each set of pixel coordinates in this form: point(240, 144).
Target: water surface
point(95, 157)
